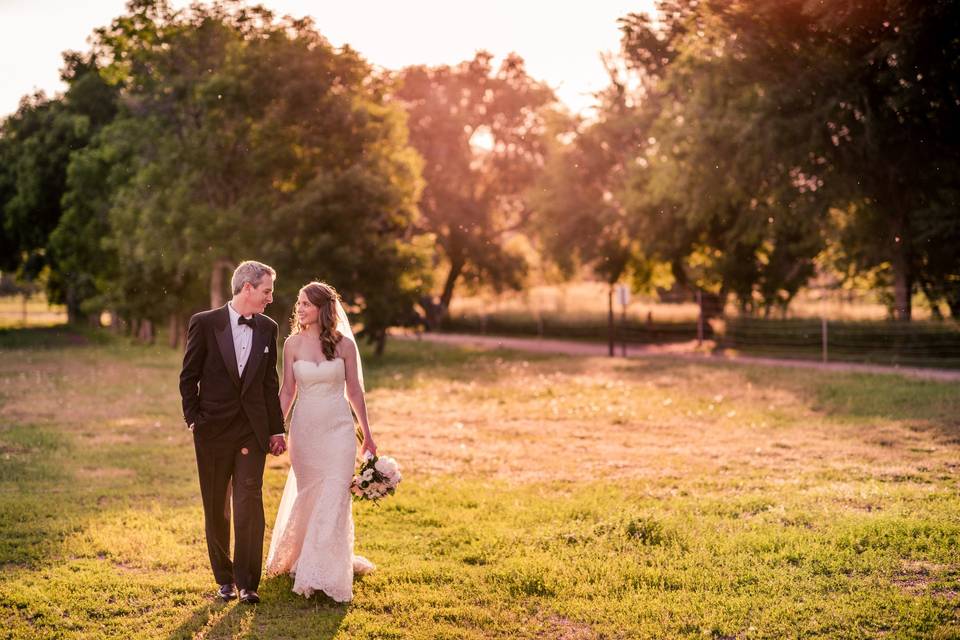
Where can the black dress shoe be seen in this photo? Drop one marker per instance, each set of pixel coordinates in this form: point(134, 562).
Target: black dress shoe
point(227, 592)
point(249, 597)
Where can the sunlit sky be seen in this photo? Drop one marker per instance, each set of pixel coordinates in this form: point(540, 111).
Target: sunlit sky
point(561, 41)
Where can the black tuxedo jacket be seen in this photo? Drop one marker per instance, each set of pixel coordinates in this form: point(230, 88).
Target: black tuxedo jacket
point(210, 385)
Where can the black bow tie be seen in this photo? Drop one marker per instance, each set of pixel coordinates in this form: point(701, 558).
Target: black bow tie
point(247, 321)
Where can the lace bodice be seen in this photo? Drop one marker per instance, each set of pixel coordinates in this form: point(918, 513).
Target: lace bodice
point(319, 378)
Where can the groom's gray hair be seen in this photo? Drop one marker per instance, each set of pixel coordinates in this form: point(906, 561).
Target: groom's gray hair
point(250, 271)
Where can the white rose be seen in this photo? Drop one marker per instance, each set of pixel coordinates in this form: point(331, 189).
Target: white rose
point(367, 475)
point(387, 466)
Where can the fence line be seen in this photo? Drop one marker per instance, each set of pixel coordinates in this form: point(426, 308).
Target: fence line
point(935, 344)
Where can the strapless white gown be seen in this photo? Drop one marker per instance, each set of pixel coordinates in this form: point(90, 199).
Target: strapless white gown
point(313, 535)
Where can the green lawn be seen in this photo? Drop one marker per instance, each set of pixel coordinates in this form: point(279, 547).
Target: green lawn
point(543, 497)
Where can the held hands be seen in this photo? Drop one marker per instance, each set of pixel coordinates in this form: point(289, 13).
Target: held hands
point(278, 444)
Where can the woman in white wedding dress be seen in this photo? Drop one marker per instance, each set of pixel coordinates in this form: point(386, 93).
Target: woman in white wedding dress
point(313, 535)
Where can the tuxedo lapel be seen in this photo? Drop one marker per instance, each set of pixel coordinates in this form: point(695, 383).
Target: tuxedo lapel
point(225, 341)
point(258, 343)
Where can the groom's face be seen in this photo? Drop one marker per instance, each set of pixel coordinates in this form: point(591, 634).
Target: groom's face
point(262, 294)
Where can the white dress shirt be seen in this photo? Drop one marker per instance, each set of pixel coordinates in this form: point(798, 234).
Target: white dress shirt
point(242, 338)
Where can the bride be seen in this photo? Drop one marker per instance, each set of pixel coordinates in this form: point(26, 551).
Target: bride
point(313, 534)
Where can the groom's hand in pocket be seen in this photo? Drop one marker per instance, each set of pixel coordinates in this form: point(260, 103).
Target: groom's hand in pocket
point(278, 444)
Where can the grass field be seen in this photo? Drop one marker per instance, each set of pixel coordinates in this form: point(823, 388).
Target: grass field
point(543, 497)
point(16, 312)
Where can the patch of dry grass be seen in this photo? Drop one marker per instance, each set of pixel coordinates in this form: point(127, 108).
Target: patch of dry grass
point(602, 419)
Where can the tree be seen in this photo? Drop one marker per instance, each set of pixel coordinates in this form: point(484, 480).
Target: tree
point(75, 248)
point(779, 112)
point(712, 196)
point(9, 247)
point(250, 136)
point(480, 132)
point(39, 141)
point(891, 111)
point(578, 200)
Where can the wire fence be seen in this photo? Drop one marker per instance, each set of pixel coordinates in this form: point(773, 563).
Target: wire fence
point(923, 343)
point(930, 344)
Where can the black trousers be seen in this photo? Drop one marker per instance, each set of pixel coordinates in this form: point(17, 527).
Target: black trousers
point(232, 463)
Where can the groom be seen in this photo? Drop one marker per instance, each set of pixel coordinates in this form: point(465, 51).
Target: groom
point(229, 388)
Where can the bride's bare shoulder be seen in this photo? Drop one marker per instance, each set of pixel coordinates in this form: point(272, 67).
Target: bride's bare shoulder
point(292, 341)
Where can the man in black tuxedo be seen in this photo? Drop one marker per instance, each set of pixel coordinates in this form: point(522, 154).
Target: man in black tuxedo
point(229, 387)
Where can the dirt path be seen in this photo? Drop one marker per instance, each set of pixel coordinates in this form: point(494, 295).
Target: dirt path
point(686, 350)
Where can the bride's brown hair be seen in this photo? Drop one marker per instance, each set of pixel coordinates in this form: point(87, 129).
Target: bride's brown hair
point(324, 297)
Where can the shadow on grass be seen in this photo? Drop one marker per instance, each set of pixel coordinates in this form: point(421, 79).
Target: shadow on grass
point(201, 618)
point(281, 613)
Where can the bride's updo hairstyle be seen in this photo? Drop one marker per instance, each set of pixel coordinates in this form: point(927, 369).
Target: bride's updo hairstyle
point(324, 297)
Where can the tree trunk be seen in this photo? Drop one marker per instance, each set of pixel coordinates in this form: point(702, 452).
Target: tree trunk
point(175, 330)
point(610, 327)
point(380, 342)
point(217, 285)
point(713, 304)
point(456, 268)
point(902, 310)
point(146, 333)
point(73, 307)
point(435, 311)
point(118, 324)
point(902, 270)
point(431, 312)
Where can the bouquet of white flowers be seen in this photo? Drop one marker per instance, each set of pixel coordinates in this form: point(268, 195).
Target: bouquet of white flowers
point(376, 478)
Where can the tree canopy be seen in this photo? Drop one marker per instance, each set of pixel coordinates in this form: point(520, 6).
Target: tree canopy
point(237, 134)
point(741, 148)
point(480, 130)
point(783, 127)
